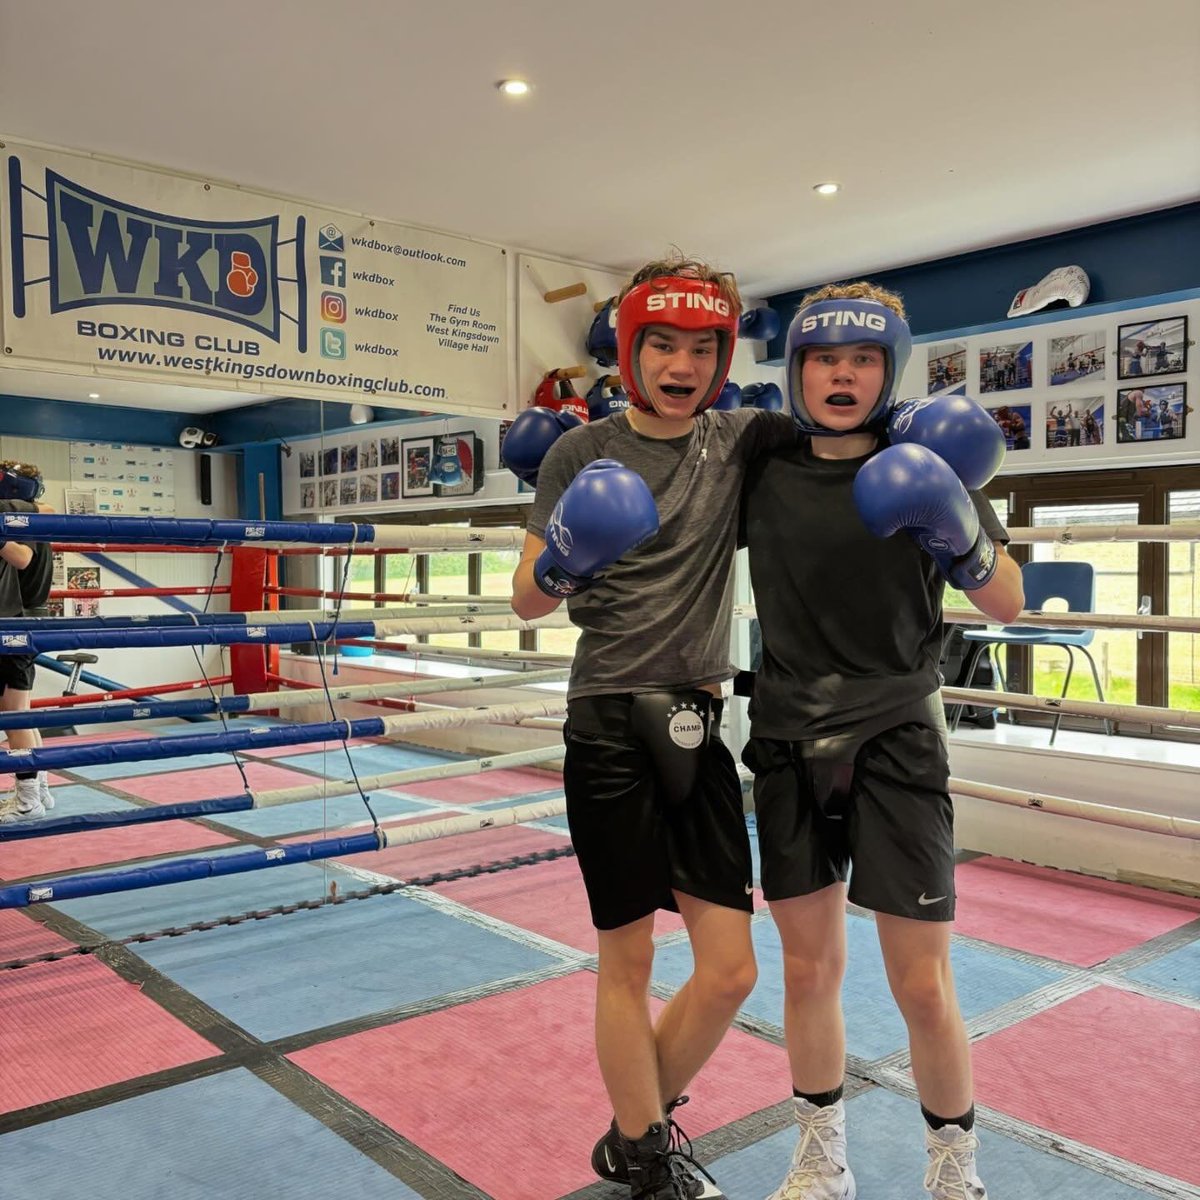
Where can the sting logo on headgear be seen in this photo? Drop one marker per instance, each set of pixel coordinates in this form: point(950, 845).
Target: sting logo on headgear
point(845, 323)
point(679, 302)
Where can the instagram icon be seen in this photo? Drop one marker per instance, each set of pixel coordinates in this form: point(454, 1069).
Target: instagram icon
point(333, 307)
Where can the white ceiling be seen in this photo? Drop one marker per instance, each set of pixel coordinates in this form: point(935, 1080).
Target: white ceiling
point(951, 124)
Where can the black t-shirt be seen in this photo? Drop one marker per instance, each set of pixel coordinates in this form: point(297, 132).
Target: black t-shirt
point(35, 578)
point(851, 623)
point(11, 604)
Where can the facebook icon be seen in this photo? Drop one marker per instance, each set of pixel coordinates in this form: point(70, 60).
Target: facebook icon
point(333, 270)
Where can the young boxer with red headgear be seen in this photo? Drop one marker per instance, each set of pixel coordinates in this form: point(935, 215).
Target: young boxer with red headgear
point(848, 742)
point(635, 524)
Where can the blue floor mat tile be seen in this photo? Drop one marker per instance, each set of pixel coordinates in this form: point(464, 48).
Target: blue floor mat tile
point(1178, 971)
point(229, 1136)
point(367, 760)
point(874, 1027)
point(120, 914)
point(311, 969)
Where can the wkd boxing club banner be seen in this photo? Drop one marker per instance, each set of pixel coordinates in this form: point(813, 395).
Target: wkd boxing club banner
point(122, 270)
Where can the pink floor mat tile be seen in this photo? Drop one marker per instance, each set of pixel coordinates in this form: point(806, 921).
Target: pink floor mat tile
point(1109, 1068)
point(1071, 918)
point(526, 1060)
point(99, 1030)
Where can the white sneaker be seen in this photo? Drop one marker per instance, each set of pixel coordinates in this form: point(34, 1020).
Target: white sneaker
point(22, 804)
point(44, 793)
point(951, 1172)
point(818, 1170)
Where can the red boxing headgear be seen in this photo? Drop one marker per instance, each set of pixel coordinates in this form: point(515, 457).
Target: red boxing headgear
point(681, 302)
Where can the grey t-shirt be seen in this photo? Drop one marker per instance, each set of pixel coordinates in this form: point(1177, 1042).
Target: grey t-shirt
point(659, 617)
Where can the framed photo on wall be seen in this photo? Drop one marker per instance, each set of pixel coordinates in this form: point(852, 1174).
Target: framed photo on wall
point(1151, 414)
point(470, 458)
point(416, 460)
point(1006, 368)
point(1152, 348)
point(1074, 422)
point(1077, 356)
point(946, 368)
point(1013, 420)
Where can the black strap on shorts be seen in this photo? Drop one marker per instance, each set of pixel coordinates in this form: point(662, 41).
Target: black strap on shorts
point(673, 725)
point(830, 760)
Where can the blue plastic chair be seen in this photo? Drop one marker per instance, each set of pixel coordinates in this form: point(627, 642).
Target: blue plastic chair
point(1072, 582)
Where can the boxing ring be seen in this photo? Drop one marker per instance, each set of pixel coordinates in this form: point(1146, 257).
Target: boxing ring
point(273, 940)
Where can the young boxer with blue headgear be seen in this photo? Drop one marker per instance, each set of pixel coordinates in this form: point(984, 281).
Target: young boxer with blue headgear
point(635, 524)
point(848, 743)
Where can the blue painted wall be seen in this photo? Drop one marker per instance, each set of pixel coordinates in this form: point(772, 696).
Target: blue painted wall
point(291, 417)
point(256, 460)
point(64, 420)
point(1127, 260)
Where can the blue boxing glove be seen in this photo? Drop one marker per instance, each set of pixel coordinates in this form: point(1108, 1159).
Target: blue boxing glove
point(530, 437)
point(729, 397)
point(911, 488)
point(957, 429)
point(759, 324)
point(762, 395)
point(605, 512)
point(446, 468)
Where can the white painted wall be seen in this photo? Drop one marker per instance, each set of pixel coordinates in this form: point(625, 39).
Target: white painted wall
point(140, 667)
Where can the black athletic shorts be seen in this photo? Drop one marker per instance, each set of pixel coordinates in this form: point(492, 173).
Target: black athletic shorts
point(633, 847)
point(17, 671)
point(894, 826)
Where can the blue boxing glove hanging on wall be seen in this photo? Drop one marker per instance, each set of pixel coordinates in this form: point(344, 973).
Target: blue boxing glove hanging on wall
point(447, 467)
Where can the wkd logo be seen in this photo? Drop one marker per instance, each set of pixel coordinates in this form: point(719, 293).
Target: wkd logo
point(103, 250)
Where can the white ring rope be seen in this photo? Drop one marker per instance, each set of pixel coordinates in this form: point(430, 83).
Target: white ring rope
point(1068, 622)
point(983, 698)
point(1127, 818)
point(1071, 535)
point(540, 810)
point(412, 687)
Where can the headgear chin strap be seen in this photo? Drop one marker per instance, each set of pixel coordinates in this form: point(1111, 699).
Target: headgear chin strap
point(680, 302)
point(15, 486)
point(845, 323)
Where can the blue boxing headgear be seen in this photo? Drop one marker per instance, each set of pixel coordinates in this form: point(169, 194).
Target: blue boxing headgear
point(845, 323)
point(15, 486)
point(602, 337)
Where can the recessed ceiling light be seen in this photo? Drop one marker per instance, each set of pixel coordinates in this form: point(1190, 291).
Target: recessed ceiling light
point(827, 189)
point(93, 395)
point(513, 87)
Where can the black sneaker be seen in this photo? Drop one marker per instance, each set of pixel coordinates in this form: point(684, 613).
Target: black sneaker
point(610, 1162)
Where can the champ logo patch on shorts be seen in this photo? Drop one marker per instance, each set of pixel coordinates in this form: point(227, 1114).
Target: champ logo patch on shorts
point(685, 727)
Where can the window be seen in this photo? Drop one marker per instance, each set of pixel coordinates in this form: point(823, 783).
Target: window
point(1116, 567)
point(1183, 600)
point(1152, 577)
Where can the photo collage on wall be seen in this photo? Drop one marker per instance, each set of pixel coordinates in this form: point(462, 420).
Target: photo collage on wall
point(1077, 407)
point(362, 471)
point(379, 469)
